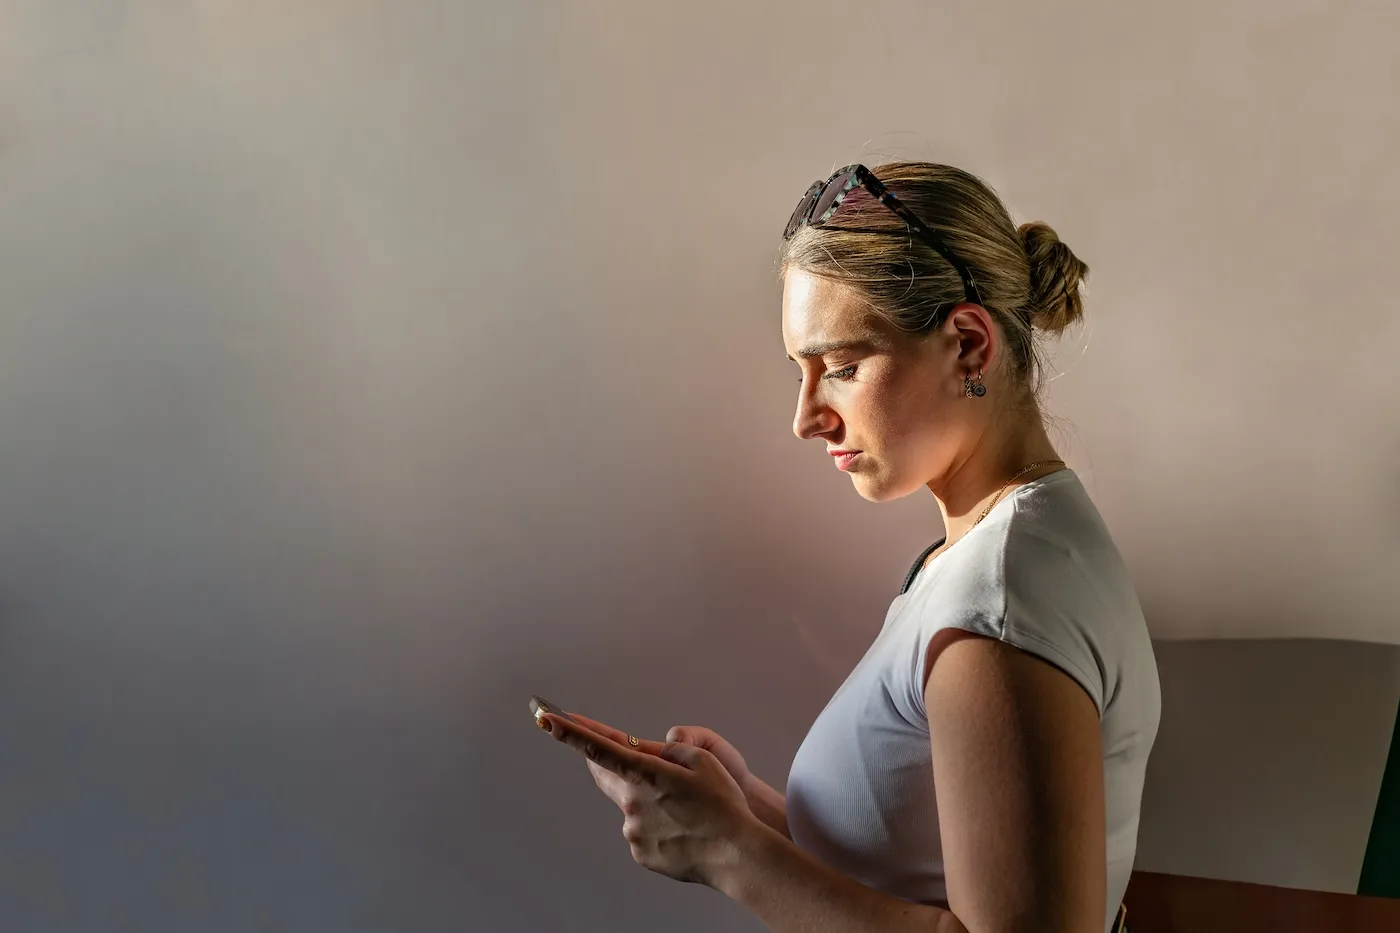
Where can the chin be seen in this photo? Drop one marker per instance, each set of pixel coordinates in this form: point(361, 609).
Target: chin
point(881, 488)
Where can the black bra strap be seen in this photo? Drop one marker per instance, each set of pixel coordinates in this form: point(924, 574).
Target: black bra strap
point(919, 565)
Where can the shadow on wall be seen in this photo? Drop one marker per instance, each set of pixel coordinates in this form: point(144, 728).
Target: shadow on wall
point(1269, 760)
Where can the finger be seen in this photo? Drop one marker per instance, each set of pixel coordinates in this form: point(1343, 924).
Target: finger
point(612, 786)
point(592, 725)
point(603, 751)
point(690, 757)
point(683, 734)
point(620, 737)
point(601, 728)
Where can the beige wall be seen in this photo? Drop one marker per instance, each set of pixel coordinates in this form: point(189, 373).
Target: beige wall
point(368, 367)
point(1269, 758)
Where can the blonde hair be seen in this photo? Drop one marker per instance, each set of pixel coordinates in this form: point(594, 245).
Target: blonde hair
point(1029, 280)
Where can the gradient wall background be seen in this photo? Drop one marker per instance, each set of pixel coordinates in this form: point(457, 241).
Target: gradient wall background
point(367, 367)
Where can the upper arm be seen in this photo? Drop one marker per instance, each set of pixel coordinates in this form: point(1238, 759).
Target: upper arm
point(1018, 773)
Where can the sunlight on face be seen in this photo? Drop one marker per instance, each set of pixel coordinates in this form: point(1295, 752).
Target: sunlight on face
point(885, 398)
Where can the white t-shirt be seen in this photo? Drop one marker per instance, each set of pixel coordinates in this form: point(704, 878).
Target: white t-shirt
point(1040, 572)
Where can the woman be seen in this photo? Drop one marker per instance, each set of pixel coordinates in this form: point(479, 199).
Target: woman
point(981, 769)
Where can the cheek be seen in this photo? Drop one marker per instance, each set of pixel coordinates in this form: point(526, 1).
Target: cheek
point(913, 430)
point(905, 410)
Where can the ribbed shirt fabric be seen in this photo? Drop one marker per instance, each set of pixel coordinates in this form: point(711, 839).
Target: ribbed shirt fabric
point(1040, 572)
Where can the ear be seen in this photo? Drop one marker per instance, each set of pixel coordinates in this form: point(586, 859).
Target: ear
point(977, 337)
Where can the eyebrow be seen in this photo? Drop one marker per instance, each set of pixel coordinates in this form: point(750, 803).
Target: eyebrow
point(836, 346)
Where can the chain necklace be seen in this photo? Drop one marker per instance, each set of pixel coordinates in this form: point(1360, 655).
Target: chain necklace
point(997, 498)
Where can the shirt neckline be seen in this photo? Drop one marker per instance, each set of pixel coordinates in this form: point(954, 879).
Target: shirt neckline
point(916, 571)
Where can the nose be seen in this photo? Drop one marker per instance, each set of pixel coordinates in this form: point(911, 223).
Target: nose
point(814, 417)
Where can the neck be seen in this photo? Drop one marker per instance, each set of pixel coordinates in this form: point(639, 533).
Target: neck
point(975, 481)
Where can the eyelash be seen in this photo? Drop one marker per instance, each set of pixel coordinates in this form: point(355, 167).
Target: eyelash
point(841, 374)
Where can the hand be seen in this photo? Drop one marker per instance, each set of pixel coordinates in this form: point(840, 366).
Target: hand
point(682, 811)
point(716, 745)
point(698, 736)
point(764, 802)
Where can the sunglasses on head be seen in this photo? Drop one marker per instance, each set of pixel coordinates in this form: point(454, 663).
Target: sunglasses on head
point(822, 200)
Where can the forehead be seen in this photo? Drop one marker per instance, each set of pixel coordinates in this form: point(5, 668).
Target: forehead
point(819, 310)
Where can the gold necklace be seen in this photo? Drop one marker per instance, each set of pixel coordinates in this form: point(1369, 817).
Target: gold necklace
point(1021, 472)
point(997, 498)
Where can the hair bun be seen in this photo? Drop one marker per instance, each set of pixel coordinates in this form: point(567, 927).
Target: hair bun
point(1056, 277)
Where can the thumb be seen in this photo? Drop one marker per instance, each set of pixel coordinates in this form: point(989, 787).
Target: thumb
point(687, 756)
point(681, 734)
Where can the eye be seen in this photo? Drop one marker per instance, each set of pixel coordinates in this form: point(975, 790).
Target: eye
point(842, 374)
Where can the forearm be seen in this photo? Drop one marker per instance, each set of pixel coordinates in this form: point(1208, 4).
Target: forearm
point(793, 892)
point(768, 805)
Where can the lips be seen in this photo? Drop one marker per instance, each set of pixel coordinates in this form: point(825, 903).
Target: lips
point(844, 458)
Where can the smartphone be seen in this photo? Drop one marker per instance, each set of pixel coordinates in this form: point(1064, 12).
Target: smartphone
point(539, 704)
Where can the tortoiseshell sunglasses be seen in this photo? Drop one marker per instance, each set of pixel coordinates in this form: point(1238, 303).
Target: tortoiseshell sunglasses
point(821, 201)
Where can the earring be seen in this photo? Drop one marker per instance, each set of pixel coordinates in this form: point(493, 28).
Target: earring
point(971, 389)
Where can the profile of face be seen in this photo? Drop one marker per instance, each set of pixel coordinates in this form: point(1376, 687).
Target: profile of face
point(888, 406)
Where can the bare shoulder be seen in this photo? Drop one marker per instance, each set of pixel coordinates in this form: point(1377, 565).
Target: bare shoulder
point(1018, 772)
point(966, 669)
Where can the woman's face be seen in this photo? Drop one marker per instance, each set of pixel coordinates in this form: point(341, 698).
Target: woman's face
point(889, 406)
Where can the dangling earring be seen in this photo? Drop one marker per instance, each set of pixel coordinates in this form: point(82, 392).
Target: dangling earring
point(970, 388)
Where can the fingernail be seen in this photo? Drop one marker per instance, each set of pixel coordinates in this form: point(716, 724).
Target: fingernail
point(543, 724)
